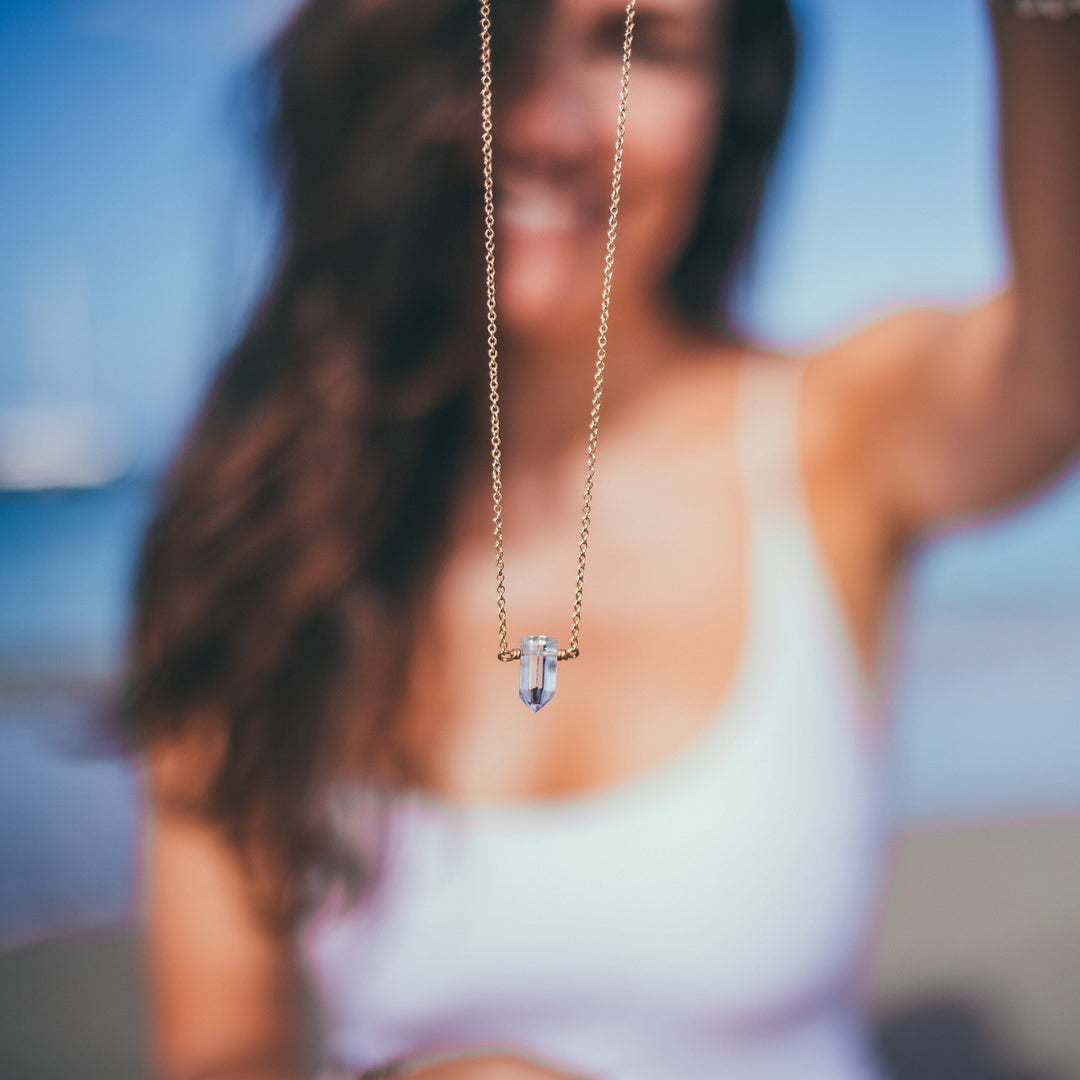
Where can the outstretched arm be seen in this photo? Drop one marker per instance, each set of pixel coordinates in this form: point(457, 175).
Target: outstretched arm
point(949, 413)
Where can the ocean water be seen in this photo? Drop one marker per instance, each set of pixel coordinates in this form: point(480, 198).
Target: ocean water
point(984, 701)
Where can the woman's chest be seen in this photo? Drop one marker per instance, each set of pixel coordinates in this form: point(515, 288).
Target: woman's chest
point(663, 612)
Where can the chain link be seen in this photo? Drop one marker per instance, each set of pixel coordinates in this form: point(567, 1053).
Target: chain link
point(487, 127)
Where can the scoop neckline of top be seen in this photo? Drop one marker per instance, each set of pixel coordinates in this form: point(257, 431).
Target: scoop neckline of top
point(727, 721)
point(721, 727)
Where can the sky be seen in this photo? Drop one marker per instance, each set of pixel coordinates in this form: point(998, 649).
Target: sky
point(132, 239)
point(131, 236)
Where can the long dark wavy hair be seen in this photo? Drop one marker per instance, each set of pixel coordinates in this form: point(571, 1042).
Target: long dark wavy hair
point(298, 528)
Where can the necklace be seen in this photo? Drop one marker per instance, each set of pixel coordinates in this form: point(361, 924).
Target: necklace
point(539, 653)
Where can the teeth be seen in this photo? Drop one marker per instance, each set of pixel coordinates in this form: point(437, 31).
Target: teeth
point(537, 210)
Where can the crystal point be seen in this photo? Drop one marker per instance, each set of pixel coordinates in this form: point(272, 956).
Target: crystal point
point(536, 671)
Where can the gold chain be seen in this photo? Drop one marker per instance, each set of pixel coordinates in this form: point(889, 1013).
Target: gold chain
point(506, 653)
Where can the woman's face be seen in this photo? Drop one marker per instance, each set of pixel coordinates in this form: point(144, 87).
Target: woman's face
point(554, 144)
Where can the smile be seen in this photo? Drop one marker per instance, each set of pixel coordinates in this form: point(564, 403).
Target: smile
point(539, 208)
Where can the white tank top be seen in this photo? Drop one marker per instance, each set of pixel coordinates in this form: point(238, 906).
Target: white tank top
point(707, 920)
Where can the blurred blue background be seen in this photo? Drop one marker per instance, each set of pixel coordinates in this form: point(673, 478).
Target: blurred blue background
point(133, 237)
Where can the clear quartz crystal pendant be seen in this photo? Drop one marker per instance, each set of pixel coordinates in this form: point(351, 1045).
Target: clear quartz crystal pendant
point(536, 670)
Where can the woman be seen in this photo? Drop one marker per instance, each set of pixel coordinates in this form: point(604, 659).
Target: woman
point(639, 882)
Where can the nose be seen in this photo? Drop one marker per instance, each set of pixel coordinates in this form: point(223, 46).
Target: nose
point(549, 124)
